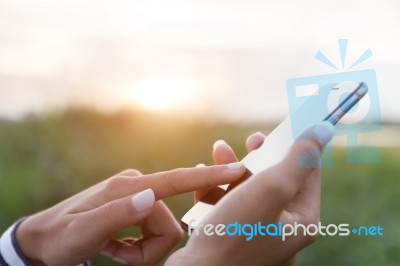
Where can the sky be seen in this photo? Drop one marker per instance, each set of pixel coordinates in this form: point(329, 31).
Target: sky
point(222, 59)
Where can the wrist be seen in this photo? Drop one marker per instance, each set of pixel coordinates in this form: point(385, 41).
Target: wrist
point(29, 241)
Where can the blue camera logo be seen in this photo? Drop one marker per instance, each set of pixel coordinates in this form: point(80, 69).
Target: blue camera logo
point(324, 92)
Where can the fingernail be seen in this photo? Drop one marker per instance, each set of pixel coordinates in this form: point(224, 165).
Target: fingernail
point(143, 200)
point(201, 165)
point(121, 261)
point(324, 131)
point(235, 166)
point(106, 254)
point(218, 142)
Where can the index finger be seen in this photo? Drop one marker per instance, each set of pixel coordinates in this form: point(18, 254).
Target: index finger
point(177, 181)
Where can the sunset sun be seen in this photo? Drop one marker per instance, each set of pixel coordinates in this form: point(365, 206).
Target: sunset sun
point(164, 93)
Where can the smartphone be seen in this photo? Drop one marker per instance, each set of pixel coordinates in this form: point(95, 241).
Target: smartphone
point(278, 142)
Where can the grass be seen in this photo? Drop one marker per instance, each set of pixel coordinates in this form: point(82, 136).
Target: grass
point(359, 195)
point(46, 159)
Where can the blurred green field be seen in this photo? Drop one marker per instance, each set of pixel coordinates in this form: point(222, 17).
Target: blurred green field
point(46, 159)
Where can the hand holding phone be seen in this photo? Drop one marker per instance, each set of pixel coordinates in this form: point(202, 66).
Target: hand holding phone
point(274, 148)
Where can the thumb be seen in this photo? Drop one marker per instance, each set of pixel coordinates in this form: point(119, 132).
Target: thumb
point(121, 213)
point(303, 157)
point(283, 181)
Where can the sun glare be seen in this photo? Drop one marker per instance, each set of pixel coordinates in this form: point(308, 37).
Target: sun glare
point(164, 93)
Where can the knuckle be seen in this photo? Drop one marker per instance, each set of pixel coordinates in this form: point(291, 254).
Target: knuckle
point(310, 159)
point(130, 172)
point(114, 183)
point(209, 177)
point(305, 216)
point(112, 214)
point(170, 174)
point(307, 145)
point(176, 234)
point(308, 152)
point(309, 239)
point(169, 178)
point(308, 219)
